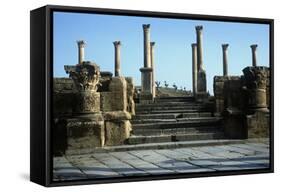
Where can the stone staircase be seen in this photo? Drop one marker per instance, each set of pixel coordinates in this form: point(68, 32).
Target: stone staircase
point(174, 119)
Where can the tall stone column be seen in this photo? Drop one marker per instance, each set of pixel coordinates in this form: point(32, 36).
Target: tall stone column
point(146, 47)
point(194, 68)
point(224, 59)
point(81, 45)
point(152, 44)
point(201, 76)
point(117, 45)
point(254, 55)
point(199, 30)
point(146, 95)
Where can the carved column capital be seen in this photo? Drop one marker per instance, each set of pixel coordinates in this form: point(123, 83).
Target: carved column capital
point(146, 27)
point(117, 43)
point(199, 28)
point(225, 46)
point(81, 43)
point(254, 47)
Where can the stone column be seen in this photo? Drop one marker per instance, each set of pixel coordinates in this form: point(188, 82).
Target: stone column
point(146, 95)
point(194, 68)
point(117, 45)
point(224, 59)
point(201, 76)
point(146, 47)
point(199, 30)
point(254, 55)
point(255, 80)
point(152, 44)
point(81, 46)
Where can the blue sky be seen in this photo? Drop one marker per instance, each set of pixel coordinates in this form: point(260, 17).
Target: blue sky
point(173, 37)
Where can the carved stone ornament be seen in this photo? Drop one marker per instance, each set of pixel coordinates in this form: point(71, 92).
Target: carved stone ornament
point(255, 77)
point(86, 76)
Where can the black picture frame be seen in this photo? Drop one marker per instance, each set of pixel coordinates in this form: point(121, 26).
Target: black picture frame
point(41, 74)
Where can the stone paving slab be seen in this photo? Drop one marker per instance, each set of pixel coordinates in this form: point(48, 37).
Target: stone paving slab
point(247, 155)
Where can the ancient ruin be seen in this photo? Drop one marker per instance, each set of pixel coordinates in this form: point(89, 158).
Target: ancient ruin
point(94, 110)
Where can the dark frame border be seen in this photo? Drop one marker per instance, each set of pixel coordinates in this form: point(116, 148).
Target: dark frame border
point(41, 41)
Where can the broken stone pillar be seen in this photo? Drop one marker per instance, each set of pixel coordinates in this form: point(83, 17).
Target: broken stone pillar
point(152, 44)
point(194, 68)
point(115, 104)
point(254, 55)
point(146, 95)
point(255, 83)
point(117, 45)
point(201, 74)
point(81, 46)
point(224, 58)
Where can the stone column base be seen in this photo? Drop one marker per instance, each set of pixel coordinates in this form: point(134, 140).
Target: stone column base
point(201, 97)
point(146, 98)
point(258, 124)
point(117, 127)
point(78, 133)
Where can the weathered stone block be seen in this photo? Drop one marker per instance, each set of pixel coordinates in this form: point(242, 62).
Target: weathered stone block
point(117, 131)
point(258, 124)
point(117, 115)
point(86, 102)
point(116, 98)
point(78, 133)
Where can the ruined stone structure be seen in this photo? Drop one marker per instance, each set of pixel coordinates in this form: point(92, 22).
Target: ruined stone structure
point(243, 101)
point(93, 109)
point(146, 95)
point(97, 107)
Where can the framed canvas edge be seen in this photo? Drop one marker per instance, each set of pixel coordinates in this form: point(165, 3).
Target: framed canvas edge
point(49, 9)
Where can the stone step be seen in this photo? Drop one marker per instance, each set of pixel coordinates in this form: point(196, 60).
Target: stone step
point(172, 115)
point(174, 107)
point(173, 138)
point(178, 130)
point(170, 120)
point(177, 99)
point(151, 146)
point(172, 111)
point(169, 104)
point(191, 122)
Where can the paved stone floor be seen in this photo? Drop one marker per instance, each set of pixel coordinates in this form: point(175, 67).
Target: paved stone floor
point(249, 155)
